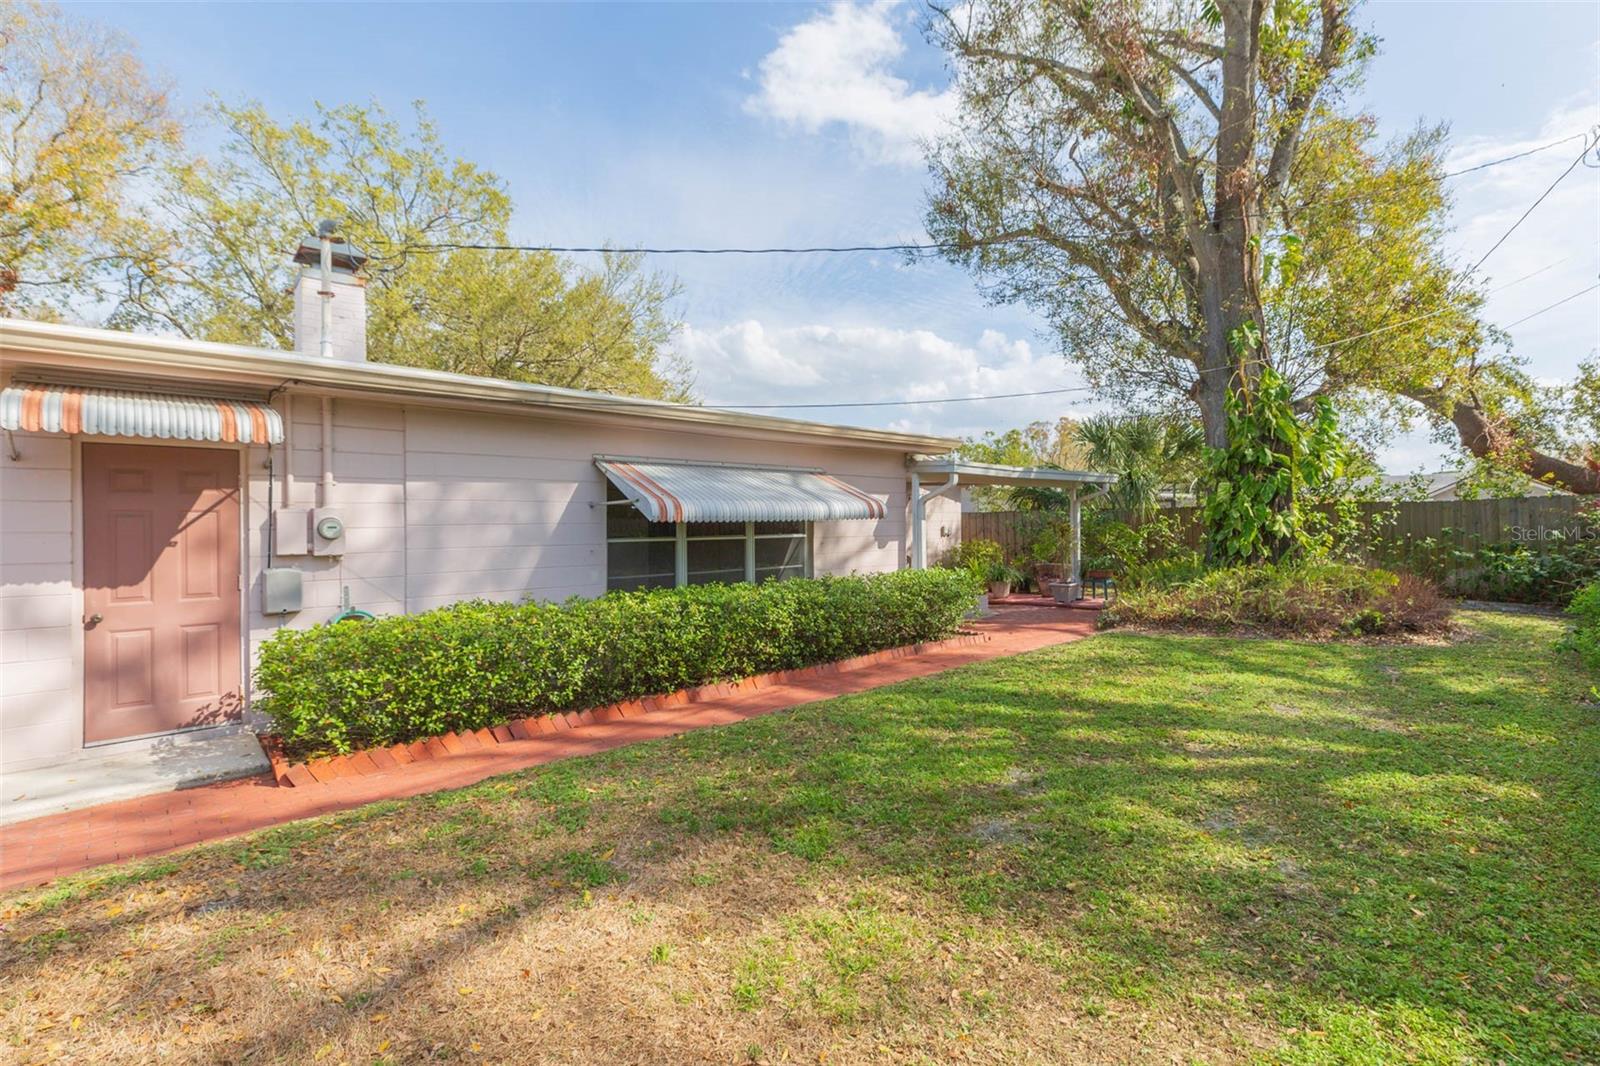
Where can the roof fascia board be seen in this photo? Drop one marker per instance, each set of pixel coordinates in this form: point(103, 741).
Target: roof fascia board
point(995, 474)
point(80, 346)
point(715, 464)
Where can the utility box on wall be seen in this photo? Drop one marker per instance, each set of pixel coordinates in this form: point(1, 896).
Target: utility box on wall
point(281, 590)
point(291, 531)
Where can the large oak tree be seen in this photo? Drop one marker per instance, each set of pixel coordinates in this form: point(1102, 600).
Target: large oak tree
point(1117, 163)
point(1183, 191)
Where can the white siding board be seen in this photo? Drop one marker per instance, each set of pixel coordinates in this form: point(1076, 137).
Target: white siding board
point(38, 548)
point(37, 675)
point(56, 735)
point(34, 516)
point(25, 483)
point(36, 612)
point(467, 559)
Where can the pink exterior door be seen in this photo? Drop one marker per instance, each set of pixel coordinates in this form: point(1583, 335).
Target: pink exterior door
point(160, 590)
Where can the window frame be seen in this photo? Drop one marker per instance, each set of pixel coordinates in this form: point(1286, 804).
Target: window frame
point(683, 535)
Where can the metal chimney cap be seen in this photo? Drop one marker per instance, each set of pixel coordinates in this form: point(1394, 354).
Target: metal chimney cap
point(347, 258)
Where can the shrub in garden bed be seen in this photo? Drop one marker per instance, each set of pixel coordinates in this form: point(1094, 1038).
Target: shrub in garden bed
point(1550, 571)
point(338, 688)
point(1299, 599)
point(1585, 636)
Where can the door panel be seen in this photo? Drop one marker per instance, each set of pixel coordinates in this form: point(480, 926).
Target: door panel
point(132, 548)
point(200, 658)
point(134, 670)
point(198, 558)
point(161, 570)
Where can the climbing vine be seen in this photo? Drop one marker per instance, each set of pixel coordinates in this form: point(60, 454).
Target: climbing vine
point(1253, 510)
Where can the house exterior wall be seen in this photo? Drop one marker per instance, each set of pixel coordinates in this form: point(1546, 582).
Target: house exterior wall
point(40, 709)
point(439, 505)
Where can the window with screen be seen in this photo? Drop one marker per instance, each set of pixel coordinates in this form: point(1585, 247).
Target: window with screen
point(643, 554)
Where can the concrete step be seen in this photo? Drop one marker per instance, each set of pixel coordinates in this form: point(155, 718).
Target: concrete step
point(100, 775)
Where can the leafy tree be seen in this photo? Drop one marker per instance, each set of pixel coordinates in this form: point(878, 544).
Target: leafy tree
point(1180, 189)
point(1148, 453)
point(1039, 443)
point(517, 316)
point(1512, 428)
point(80, 122)
point(402, 199)
point(1036, 444)
point(1117, 166)
point(239, 215)
point(1583, 414)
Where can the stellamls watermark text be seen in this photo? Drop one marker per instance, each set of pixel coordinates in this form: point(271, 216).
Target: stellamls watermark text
point(1538, 534)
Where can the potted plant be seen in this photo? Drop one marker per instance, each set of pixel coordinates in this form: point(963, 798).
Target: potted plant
point(1001, 577)
point(978, 557)
point(1045, 552)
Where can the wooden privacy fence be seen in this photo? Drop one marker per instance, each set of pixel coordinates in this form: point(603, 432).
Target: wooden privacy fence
point(1009, 529)
point(1466, 524)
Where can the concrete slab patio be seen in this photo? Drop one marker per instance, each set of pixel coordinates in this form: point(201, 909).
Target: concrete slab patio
point(187, 760)
point(37, 850)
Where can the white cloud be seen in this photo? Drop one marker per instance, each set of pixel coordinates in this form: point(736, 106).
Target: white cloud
point(751, 363)
point(836, 69)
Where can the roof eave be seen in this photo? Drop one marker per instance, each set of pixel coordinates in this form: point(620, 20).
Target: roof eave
point(140, 352)
point(997, 474)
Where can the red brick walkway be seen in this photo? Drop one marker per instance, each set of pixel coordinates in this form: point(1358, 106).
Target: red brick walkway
point(41, 849)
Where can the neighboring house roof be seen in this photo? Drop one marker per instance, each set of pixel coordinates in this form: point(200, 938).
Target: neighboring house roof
point(1438, 485)
point(104, 351)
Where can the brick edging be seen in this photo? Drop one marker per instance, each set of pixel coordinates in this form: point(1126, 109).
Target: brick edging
point(373, 760)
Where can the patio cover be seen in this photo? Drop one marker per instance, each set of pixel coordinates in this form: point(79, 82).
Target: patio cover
point(119, 413)
point(674, 490)
point(958, 474)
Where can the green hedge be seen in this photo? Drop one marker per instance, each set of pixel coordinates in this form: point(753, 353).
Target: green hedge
point(1585, 636)
point(338, 688)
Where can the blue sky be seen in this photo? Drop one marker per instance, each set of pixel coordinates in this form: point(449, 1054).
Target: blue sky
point(796, 124)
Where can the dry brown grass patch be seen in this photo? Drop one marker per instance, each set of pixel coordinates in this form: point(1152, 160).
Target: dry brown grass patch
point(382, 939)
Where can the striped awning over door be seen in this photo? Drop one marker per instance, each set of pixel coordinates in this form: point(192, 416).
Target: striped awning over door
point(666, 490)
point(117, 413)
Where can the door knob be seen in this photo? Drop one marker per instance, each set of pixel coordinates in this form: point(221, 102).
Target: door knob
point(95, 619)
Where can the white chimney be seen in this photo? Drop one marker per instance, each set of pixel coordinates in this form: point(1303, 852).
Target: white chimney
point(330, 298)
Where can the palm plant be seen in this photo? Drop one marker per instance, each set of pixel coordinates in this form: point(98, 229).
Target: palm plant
point(1147, 453)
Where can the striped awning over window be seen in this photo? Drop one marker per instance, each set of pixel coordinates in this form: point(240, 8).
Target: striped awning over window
point(116, 413)
point(666, 490)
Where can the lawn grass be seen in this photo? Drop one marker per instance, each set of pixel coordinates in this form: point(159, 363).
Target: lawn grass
point(1133, 848)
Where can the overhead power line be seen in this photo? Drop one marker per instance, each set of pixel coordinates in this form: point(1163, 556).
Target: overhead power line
point(1089, 388)
point(1531, 208)
point(897, 403)
point(910, 246)
point(1511, 158)
point(1552, 307)
point(903, 246)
